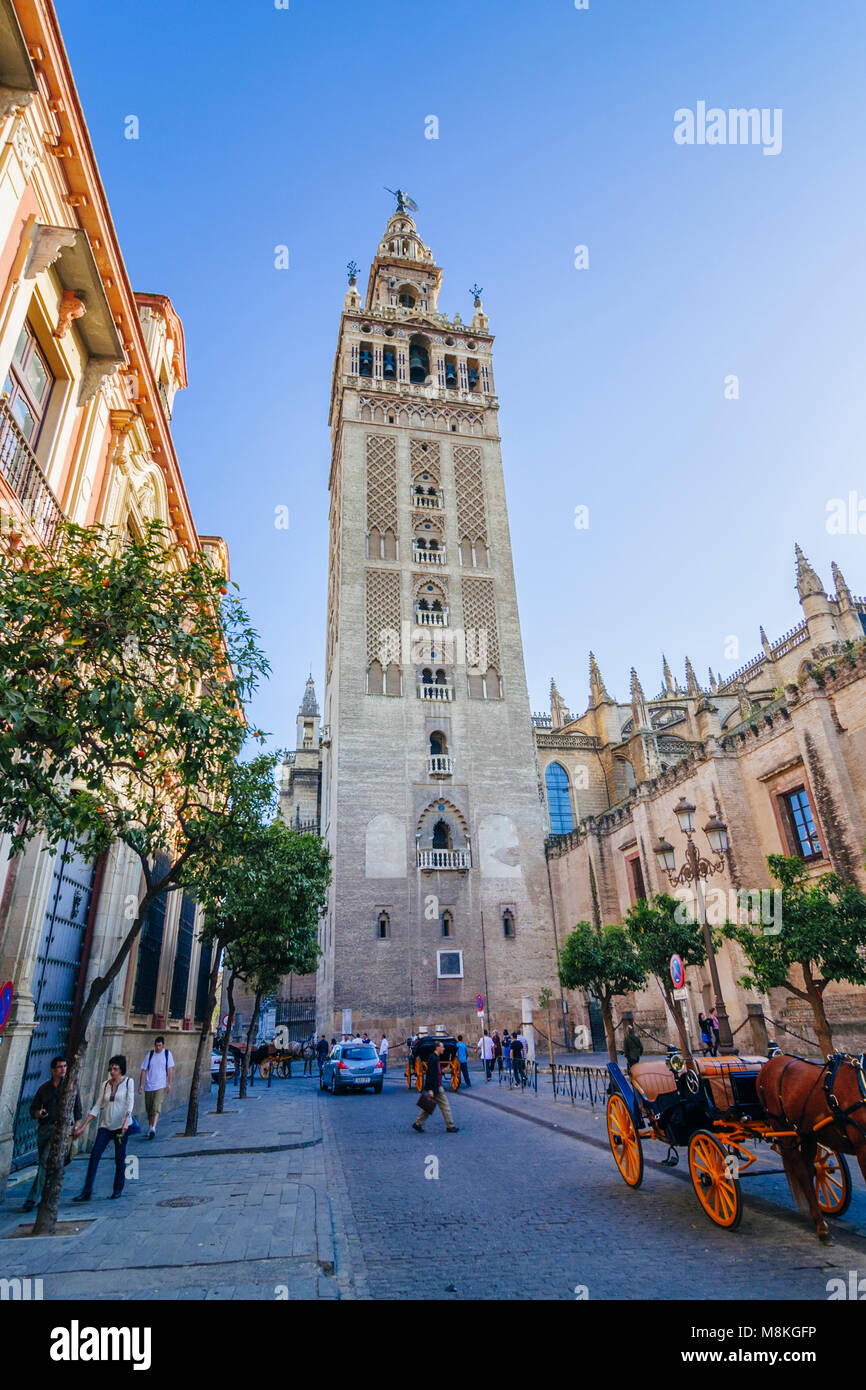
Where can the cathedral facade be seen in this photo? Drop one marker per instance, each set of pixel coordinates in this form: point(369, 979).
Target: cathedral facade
point(429, 788)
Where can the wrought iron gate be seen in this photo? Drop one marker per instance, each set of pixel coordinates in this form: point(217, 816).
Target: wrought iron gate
point(596, 1024)
point(58, 962)
point(298, 1015)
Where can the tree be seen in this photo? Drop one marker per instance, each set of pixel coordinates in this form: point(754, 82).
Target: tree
point(263, 906)
point(124, 668)
point(823, 935)
point(545, 999)
point(604, 961)
point(656, 935)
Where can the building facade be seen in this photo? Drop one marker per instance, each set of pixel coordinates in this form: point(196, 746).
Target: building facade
point(430, 799)
point(89, 371)
point(778, 750)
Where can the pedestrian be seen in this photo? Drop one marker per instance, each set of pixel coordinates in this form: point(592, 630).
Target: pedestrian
point(463, 1059)
point(113, 1106)
point(518, 1058)
point(43, 1109)
point(506, 1050)
point(715, 1033)
point(485, 1052)
point(322, 1052)
point(157, 1069)
point(632, 1047)
point(497, 1051)
point(384, 1047)
point(433, 1088)
point(706, 1030)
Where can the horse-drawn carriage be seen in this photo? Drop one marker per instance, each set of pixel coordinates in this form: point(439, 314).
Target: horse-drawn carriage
point(718, 1107)
point(417, 1060)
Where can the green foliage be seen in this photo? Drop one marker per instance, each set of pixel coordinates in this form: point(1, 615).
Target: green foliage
point(823, 931)
point(123, 672)
point(265, 904)
point(602, 961)
point(545, 998)
point(656, 935)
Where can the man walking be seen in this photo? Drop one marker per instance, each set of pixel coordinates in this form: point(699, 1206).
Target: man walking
point(157, 1069)
point(322, 1050)
point(518, 1053)
point(433, 1088)
point(384, 1046)
point(485, 1051)
point(463, 1059)
point(506, 1049)
point(43, 1109)
point(632, 1047)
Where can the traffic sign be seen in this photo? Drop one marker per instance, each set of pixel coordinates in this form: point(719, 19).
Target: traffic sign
point(224, 1020)
point(480, 1013)
point(5, 1002)
point(479, 1002)
point(681, 993)
point(678, 972)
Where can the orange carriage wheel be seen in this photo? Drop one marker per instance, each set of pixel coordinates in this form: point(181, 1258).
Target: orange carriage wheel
point(832, 1182)
point(625, 1142)
point(419, 1074)
point(409, 1071)
point(455, 1074)
point(264, 1070)
point(713, 1174)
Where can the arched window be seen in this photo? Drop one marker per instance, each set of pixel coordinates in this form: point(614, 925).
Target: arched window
point(393, 680)
point(426, 676)
point(419, 361)
point(374, 679)
point(447, 920)
point(441, 835)
point(383, 926)
point(558, 799)
point(438, 745)
point(508, 923)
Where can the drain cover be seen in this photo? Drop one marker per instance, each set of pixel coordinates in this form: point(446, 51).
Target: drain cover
point(183, 1201)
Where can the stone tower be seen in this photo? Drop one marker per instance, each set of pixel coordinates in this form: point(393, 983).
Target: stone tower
point(430, 800)
point(301, 775)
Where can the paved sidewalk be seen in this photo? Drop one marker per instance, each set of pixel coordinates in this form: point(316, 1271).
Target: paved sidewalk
point(253, 1207)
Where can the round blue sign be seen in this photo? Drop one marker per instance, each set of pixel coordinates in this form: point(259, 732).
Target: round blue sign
point(678, 972)
point(480, 1001)
point(5, 1002)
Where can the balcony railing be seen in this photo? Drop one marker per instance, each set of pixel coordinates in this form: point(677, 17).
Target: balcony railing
point(19, 467)
point(428, 557)
point(424, 499)
point(440, 765)
point(425, 617)
point(435, 692)
point(444, 859)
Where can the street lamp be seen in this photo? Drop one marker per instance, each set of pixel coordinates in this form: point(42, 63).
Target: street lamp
point(693, 871)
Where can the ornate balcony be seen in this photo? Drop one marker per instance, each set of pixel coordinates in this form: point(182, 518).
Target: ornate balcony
point(427, 618)
point(24, 476)
point(444, 859)
point(428, 557)
point(435, 692)
point(440, 765)
point(423, 499)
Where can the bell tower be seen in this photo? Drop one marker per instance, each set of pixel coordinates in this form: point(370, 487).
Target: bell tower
point(430, 800)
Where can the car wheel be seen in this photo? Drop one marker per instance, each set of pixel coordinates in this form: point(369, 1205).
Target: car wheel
point(377, 1089)
point(322, 1086)
point(333, 1086)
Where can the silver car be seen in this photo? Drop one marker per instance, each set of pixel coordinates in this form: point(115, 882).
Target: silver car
point(351, 1067)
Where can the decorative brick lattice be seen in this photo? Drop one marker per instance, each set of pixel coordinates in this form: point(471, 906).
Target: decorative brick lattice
point(469, 482)
point(334, 545)
point(381, 483)
point(424, 457)
point(479, 622)
point(383, 616)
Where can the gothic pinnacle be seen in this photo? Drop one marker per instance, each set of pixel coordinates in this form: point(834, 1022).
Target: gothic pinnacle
point(807, 580)
point(666, 673)
point(843, 593)
point(692, 687)
point(597, 690)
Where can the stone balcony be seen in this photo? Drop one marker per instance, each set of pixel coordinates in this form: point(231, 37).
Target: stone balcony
point(444, 859)
point(435, 692)
point(430, 503)
point(440, 765)
point(431, 618)
point(428, 557)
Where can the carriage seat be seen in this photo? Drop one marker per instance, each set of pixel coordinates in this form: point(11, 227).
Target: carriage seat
point(716, 1072)
point(653, 1078)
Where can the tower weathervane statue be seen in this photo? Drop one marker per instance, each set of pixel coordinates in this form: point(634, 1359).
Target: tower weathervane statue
point(404, 202)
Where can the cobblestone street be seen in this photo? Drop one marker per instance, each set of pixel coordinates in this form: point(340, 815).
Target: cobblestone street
point(303, 1195)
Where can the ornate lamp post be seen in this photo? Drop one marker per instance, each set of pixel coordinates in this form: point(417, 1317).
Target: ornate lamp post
point(693, 871)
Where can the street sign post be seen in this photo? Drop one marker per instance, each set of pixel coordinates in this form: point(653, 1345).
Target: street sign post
point(678, 972)
point(681, 993)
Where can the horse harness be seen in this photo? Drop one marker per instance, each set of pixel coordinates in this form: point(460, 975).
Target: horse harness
point(829, 1071)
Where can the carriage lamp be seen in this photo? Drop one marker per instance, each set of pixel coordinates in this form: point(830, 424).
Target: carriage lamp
point(696, 868)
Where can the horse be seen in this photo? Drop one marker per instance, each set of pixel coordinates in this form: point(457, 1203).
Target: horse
point(817, 1104)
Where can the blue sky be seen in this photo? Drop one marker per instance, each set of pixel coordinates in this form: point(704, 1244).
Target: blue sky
point(261, 127)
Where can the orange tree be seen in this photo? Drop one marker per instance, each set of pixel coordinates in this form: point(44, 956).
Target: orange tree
point(605, 962)
point(656, 934)
point(124, 668)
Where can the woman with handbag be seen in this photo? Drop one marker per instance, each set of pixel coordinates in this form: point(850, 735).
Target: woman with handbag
point(113, 1106)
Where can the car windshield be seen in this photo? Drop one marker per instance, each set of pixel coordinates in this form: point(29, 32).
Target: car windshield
point(358, 1054)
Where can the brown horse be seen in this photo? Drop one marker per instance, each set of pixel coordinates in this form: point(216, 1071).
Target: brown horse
point(821, 1105)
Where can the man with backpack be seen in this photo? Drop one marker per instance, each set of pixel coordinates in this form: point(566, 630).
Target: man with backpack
point(157, 1070)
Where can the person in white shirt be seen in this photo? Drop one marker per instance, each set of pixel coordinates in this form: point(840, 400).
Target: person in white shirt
point(383, 1053)
point(114, 1106)
point(157, 1070)
point(485, 1051)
